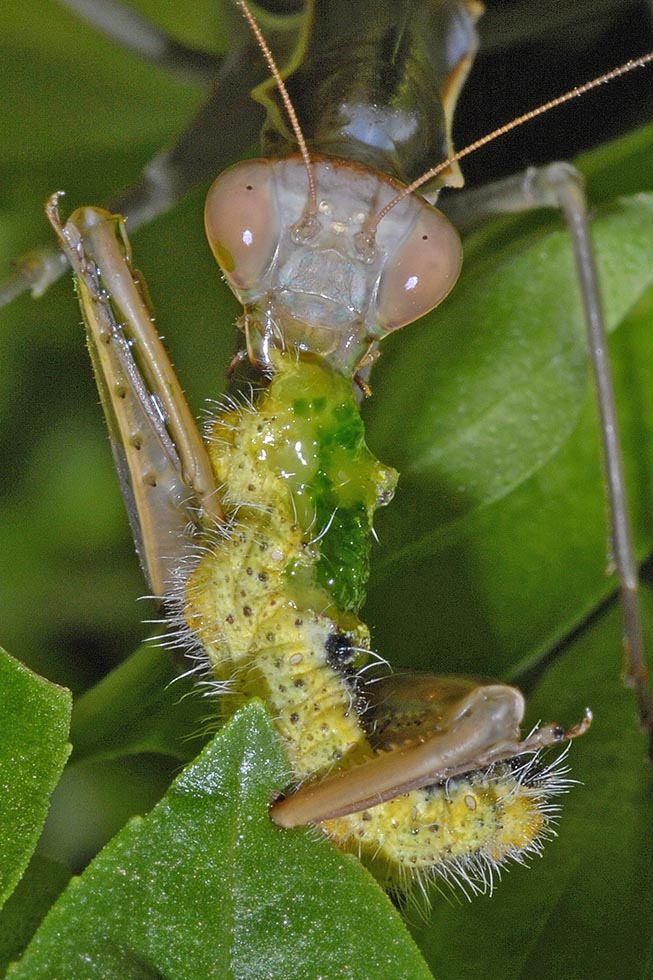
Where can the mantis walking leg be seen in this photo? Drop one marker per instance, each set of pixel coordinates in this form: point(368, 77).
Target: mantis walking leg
point(560, 185)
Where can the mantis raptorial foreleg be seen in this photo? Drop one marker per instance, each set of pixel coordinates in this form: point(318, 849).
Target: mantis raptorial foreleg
point(164, 471)
point(476, 728)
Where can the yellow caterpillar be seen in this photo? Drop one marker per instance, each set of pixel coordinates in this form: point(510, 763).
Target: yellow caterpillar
point(273, 604)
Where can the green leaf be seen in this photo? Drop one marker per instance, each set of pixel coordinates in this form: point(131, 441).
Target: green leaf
point(495, 546)
point(141, 706)
point(585, 909)
point(34, 722)
point(488, 388)
point(23, 911)
point(206, 886)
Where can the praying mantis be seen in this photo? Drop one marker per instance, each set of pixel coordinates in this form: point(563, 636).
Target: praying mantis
point(413, 633)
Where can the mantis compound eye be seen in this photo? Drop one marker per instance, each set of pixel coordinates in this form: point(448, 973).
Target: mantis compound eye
point(241, 222)
point(421, 272)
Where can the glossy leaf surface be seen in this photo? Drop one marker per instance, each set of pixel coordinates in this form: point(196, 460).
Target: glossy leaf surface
point(33, 750)
point(206, 886)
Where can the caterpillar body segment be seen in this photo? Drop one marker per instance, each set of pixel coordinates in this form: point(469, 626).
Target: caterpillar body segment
point(275, 601)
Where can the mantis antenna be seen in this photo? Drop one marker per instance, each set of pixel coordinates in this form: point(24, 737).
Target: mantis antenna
point(526, 117)
point(311, 206)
